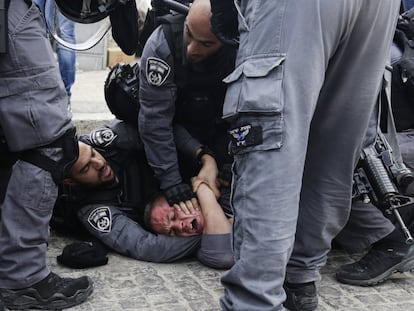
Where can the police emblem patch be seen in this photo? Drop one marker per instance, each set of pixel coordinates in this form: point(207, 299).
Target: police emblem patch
point(157, 71)
point(102, 137)
point(239, 134)
point(101, 219)
point(245, 136)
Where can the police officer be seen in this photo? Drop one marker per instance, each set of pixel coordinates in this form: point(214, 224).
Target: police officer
point(34, 122)
point(307, 77)
point(182, 68)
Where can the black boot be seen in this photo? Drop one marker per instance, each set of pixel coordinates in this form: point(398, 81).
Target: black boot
point(51, 293)
point(301, 296)
point(384, 258)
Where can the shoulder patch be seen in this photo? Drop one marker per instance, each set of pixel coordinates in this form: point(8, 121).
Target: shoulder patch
point(102, 137)
point(101, 219)
point(157, 71)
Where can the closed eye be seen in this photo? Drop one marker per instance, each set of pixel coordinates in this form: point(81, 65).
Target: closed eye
point(85, 168)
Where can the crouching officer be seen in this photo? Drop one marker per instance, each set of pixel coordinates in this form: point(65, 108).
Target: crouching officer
point(182, 68)
point(106, 191)
point(35, 124)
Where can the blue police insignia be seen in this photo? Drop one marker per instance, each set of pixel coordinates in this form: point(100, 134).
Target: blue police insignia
point(157, 71)
point(101, 219)
point(239, 134)
point(102, 137)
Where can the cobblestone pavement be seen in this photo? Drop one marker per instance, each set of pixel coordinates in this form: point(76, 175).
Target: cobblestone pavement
point(128, 284)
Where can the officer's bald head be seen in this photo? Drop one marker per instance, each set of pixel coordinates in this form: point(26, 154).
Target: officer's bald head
point(200, 12)
point(200, 41)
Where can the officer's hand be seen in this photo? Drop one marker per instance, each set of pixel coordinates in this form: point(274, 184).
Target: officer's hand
point(188, 207)
point(181, 196)
point(224, 23)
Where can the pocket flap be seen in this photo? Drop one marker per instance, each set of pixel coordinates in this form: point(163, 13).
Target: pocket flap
point(260, 67)
point(234, 75)
point(16, 85)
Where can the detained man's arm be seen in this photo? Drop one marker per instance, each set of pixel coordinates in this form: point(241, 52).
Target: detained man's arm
point(123, 235)
point(209, 172)
point(215, 250)
point(215, 221)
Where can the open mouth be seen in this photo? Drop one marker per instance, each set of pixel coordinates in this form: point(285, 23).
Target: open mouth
point(194, 224)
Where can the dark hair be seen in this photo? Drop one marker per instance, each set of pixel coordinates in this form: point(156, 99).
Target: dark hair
point(149, 207)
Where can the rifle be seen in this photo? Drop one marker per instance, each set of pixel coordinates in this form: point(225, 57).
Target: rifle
point(378, 179)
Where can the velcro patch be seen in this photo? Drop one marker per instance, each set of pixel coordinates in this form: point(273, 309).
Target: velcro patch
point(157, 71)
point(101, 219)
point(102, 137)
point(246, 135)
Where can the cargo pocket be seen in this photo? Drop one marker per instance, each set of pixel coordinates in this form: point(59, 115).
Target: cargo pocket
point(255, 87)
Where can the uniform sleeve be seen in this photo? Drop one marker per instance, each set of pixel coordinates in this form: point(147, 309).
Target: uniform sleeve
point(125, 236)
point(157, 95)
point(216, 251)
point(116, 135)
point(185, 143)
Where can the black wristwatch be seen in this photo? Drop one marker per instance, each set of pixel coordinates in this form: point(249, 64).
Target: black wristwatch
point(204, 150)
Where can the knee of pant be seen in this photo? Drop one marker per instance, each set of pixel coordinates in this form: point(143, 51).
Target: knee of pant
point(57, 163)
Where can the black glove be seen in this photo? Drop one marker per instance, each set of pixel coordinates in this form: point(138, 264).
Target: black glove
point(85, 254)
point(224, 23)
point(204, 150)
point(179, 193)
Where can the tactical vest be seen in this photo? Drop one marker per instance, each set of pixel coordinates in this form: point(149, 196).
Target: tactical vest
point(200, 90)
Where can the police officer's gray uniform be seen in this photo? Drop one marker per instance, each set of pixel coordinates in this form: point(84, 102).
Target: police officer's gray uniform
point(303, 89)
point(33, 114)
point(166, 98)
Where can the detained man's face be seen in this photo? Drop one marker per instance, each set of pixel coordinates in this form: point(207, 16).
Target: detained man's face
point(91, 168)
point(168, 221)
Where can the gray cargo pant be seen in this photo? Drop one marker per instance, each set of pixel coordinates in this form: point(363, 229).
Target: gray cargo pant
point(307, 77)
point(33, 113)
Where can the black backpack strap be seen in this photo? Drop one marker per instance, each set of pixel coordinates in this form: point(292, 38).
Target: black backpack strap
point(4, 6)
point(172, 26)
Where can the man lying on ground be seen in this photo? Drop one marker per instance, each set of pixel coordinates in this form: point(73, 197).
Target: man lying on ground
point(213, 221)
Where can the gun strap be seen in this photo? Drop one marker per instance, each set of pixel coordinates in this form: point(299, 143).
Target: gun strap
point(391, 129)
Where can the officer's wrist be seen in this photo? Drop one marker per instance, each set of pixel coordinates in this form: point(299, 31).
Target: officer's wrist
point(203, 154)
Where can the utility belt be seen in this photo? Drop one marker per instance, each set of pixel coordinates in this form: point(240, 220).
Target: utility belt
point(4, 5)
